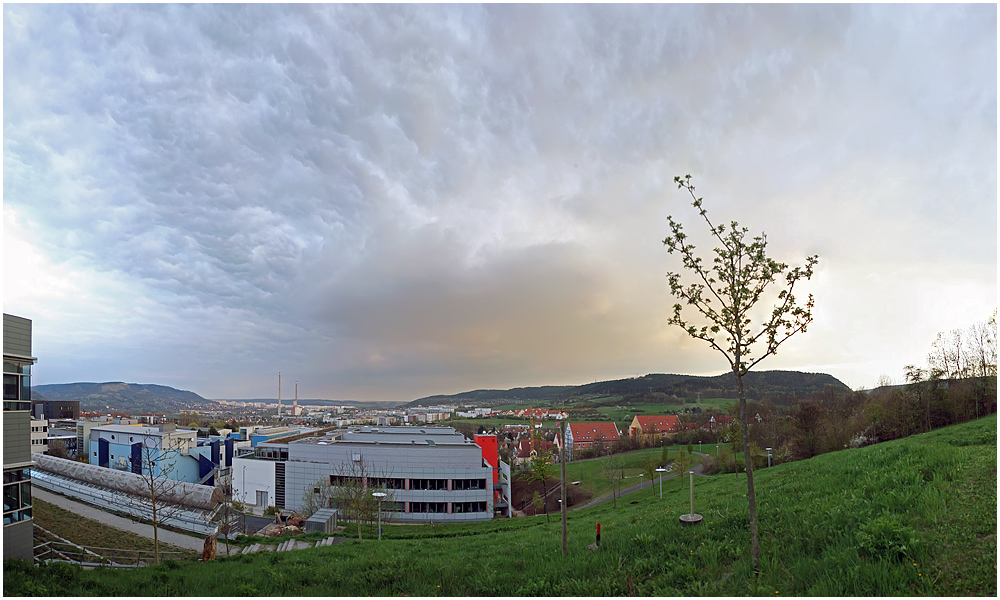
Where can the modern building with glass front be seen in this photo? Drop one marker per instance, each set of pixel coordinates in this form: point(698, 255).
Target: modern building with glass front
point(18, 535)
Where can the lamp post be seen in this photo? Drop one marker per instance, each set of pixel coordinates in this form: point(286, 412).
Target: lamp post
point(699, 446)
point(661, 471)
point(691, 518)
point(768, 457)
point(641, 475)
point(378, 496)
point(716, 451)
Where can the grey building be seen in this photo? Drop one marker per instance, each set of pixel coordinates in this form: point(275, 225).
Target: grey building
point(18, 535)
point(55, 409)
point(433, 473)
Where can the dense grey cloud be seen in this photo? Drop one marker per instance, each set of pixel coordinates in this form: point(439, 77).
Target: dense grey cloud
point(392, 201)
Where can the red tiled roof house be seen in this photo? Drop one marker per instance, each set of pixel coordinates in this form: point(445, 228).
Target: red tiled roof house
point(583, 436)
point(654, 427)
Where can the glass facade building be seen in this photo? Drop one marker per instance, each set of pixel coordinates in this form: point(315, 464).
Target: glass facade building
point(18, 536)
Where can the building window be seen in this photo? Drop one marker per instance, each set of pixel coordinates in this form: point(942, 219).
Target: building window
point(389, 483)
point(468, 484)
point(428, 484)
point(428, 507)
point(468, 507)
point(16, 496)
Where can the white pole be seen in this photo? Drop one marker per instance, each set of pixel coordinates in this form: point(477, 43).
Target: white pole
point(692, 492)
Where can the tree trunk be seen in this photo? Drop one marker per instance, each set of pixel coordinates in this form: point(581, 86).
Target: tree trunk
point(156, 530)
point(751, 496)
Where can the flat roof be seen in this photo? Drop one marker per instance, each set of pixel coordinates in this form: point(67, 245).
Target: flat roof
point(143, 429)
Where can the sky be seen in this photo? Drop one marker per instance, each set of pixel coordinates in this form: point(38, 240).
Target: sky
point(387, 202)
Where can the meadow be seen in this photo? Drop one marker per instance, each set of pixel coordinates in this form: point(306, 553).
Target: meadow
point(915, 516)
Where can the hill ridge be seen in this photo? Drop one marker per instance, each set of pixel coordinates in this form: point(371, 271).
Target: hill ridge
point(758, 383)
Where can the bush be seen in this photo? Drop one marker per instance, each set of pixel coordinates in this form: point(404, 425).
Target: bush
point(271, 510)
point(885, 537)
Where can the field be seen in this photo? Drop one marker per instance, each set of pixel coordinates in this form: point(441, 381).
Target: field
point(590, 473)
point(915, 516)
point(622, 414)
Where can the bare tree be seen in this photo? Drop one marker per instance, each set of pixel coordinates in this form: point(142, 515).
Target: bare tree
point(726, 296)
point(317, 496)
point(611, 467)
point(157, 495)
point(352, 486)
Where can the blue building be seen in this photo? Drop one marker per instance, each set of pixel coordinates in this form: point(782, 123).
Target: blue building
point(162, 450)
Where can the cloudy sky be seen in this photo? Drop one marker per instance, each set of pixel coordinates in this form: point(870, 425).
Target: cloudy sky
point(386, 202)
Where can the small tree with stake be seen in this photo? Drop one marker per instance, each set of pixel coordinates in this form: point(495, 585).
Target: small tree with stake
point(725, 295)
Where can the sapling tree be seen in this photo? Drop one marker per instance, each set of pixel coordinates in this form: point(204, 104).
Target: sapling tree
point(725, 299)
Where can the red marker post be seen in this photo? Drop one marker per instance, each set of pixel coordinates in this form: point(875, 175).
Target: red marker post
point(598, 534)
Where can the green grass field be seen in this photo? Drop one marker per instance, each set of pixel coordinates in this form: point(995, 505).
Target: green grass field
point(590, 473)
point(912, 517)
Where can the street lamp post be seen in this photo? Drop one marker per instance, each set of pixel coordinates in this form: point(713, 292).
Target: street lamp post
point(641, 475)
point(699, 446)
point(769, 457)
point(661, 471)
point(716, 451)
point(378, 496)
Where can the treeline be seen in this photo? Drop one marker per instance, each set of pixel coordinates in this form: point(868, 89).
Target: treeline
point(958, 385)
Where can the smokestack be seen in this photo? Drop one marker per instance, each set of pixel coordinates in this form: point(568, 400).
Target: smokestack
point(279, 393)
point(295, 407)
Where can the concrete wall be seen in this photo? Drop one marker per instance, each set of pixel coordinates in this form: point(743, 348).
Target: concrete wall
point(16, 437)
point(18, 540)
point(16, 335)
point(258, 475)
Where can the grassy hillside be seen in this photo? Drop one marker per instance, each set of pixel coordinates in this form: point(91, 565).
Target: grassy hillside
point(915, 516)
point(758, 383)
point(127, 397)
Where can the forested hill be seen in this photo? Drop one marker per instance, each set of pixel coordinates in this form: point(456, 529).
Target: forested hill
point(759, 385)
point(125, 397)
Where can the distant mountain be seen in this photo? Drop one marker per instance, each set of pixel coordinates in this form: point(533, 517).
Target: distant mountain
point(125, 397)
point(758, 385)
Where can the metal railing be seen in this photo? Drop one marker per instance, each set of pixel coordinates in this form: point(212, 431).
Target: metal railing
point(93, 556)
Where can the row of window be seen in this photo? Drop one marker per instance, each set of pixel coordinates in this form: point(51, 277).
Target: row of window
point(442, 507)
point(399, 483)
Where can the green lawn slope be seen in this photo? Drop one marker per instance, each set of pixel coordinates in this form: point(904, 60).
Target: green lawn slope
point(915, 516)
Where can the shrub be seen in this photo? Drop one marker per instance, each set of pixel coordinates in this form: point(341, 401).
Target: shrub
point(885, 537)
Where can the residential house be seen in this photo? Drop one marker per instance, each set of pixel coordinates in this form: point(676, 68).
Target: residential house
point(584, 436)
point(650, 428)
point(528, 448)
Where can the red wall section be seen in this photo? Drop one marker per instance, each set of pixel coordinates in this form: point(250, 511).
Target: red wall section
point(489, 445)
